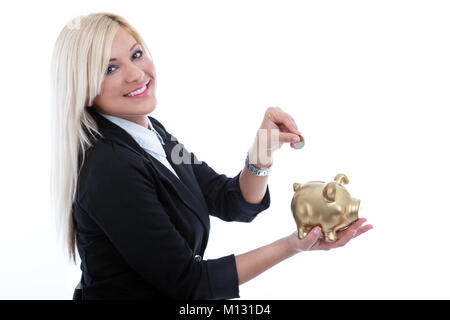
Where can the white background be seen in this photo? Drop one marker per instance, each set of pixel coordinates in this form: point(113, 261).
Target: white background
point(366, 81)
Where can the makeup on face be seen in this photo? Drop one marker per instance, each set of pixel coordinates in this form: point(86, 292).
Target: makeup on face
point(140, 92)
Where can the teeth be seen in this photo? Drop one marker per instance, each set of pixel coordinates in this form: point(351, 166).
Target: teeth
point(137, 91)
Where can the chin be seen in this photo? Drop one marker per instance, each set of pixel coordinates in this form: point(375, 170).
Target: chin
point(143, 108)
point(151, 106)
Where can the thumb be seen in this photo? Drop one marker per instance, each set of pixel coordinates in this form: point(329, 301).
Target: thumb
point(289, 137)
point(312, 237)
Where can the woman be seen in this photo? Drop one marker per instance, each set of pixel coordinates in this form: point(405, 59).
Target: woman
point(134, 201)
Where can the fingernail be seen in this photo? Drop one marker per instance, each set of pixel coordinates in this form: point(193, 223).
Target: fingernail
point(317, 231)
point(296, 139)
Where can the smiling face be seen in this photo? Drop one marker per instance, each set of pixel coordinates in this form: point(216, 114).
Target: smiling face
point(129, 71)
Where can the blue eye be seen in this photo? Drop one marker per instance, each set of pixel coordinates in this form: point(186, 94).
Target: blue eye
point(109, 71)
point(140, 52)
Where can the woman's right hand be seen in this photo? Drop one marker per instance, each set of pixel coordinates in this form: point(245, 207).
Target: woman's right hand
point(315, 241)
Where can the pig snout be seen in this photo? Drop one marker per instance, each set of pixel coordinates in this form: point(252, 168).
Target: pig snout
point(353, 209)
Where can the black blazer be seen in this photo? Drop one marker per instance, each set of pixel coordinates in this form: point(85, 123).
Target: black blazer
point(141, 232)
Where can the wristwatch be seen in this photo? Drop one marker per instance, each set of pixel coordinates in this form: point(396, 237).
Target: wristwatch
point(256, 171)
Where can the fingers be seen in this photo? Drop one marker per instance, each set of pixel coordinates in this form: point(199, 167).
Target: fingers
point(355, 227)
point(288, 137)
point(312, 237)
point(343, 239)
point(358, 223)
point(344, 236)
point(309, 241)
point(279, 117)
point(362, 230)
point(293, 125)
point(288, 131)
point(352, 232)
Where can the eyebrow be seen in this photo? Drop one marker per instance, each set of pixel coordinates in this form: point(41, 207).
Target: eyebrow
point(134, 45)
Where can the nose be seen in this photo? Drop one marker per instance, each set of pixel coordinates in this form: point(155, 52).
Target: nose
point(354, 206)
point(134, 74)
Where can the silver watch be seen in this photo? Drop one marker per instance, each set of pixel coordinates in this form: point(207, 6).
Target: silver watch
point(252, 169)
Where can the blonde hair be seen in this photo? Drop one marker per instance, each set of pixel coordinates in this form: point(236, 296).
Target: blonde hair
point(80, 58)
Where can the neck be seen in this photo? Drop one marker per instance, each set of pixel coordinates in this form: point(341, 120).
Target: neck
point(140, 120)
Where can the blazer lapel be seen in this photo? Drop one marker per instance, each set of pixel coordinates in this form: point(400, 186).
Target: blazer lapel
point(182, 186)
point(187, 186)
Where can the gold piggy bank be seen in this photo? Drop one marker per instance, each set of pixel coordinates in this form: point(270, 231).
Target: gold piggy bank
point(328, 205)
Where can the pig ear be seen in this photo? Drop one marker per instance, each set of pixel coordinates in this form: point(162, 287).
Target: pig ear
point(297, 186)
point(329, 192)
point(341, 178)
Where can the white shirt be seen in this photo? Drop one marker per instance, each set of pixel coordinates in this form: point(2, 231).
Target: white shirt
point(149, 139)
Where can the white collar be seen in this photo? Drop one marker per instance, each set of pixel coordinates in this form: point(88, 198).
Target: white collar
point(149, 139)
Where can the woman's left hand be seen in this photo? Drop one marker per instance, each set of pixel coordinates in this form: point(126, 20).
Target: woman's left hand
point(277, 128)
point(315, 241)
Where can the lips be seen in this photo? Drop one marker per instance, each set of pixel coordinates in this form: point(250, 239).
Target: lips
point(140, 87)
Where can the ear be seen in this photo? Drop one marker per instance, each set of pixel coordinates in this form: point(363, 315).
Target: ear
point(329, 192)
point(297, 186)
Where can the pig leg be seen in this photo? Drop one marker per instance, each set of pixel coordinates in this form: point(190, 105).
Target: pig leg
point(330, 236)
point(302, 233)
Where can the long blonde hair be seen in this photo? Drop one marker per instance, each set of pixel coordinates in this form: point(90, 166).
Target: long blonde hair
point(80, 58)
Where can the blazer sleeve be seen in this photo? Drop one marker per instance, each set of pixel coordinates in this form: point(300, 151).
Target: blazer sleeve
point(224, 197)
point(122, 200)
point(222, 194)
